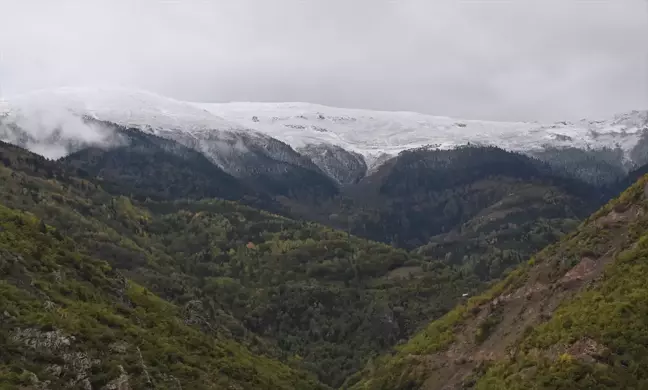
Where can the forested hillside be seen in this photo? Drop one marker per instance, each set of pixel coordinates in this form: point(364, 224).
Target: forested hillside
point(271, 285)
point(424, 193)
point(295, 291)
point(573, 317)
point(70, 320)
point(482, 209)
point(156, 168)
point(145, 166)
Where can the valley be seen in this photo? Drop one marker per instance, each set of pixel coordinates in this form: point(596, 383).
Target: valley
point(193, 246)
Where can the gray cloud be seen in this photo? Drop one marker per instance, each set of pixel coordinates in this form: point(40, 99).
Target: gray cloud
point(508, 60)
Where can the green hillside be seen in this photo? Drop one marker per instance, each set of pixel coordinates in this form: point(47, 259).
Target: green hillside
point(574, 317)
point(72, 321)
point(295, 291)
point(127, 252)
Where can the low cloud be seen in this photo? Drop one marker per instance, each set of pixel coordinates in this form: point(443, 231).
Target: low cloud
point(53, 131)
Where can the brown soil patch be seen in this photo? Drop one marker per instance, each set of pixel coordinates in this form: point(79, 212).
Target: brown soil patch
point(615, 216)
point(525, 307)
point(585, 268)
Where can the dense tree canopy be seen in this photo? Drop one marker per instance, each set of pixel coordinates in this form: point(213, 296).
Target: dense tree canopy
point(154, 252)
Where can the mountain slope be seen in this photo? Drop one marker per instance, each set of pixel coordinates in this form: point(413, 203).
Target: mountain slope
point(275, 130)
point(506, 233)
point(600, 167)
point(58, 122)
point(156, 168)
point(407, 202)
point(506, 206)
point(71, 321)
point(424, 194)
point(294, 291)
point(373, 133)
point(299, 292)
point(345, 167)
point(262, 161)
point(573, 317)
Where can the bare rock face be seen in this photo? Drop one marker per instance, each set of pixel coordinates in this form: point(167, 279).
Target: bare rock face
point(53, 341)
point(588, 350)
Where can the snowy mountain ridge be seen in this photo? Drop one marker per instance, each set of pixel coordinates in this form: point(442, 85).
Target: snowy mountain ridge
point(372, 133)
point(335, 139)
point(126, 107)
point(31, 120)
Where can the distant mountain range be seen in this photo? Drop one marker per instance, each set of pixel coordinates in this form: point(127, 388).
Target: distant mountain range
point(165, 244)
point(344, 144)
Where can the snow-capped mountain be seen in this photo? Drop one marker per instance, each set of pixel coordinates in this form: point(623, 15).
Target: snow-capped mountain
point(373, 133)
point(49, 121)
point(131, 108)
point(343, 143)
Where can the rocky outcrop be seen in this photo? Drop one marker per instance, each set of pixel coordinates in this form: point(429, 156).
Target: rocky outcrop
point(76, 364)
point(339, 164)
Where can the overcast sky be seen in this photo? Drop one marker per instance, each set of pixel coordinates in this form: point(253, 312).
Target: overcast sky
point(507, 60)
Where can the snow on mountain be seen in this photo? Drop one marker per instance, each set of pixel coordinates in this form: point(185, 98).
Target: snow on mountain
point(373, 133)
point(332, 138)
point(131, 108)
point(36, 116)
point(338, 163)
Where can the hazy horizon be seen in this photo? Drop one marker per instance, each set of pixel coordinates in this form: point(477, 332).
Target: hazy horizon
point(493, 60)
